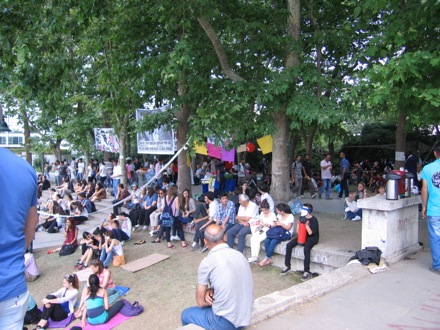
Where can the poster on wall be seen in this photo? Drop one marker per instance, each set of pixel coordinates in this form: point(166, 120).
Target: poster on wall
point(106, 140)
point(160, 141)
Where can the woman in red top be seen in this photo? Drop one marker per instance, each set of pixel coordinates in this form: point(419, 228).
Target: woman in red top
point(70, 234)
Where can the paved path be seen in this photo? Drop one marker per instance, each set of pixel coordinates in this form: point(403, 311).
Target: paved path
point(406, 296)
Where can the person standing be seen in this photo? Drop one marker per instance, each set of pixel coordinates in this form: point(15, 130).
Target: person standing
point(431, 206)
point(224, 293)
point(307, 176)
point(17, 228)
point(296, 175)
point(80, 170)
point(116, 176)
point(326, 176)
point(345, 174)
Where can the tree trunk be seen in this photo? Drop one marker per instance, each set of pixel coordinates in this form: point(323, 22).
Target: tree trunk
point(57, 150)
point(331, 148)
point(294, 138)
point(400, 140)
point(309, 137)
point(280, 188)
point(122, 145)
point(27, 136)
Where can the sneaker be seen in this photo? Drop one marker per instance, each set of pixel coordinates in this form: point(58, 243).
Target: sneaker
point(137, 226)
point(319, 196)
point(285, 271)
point(252, 259)
point(356, 218)
point(306, 276)
point(83, 267)
point(176, 238)
point(78, 265)
point(122, 243)
point(203, 249)
point(144, 227)
point(194, 245)
point(329, 198)
point(313, 196)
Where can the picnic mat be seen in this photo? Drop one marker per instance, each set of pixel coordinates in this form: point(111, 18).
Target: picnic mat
point(83, 275)
point(144, 262)
point(115, 321)
point(59, 324)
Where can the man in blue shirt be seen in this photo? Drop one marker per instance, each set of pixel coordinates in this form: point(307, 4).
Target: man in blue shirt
point(431, 205)
point(225, 215)
point(344, 168)
point(18, 220)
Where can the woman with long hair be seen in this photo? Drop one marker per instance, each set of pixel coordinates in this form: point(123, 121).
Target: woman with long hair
point(58, 305)
point(98, 309)
point(172, 207)
point(154, 217)
point(70, 234)
point(284, 224)
point(112, 251)
point(99, 193)
point(148, 206)
point(53, 221)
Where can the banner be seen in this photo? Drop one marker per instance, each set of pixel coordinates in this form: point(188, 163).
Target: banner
point(265, 144)
point(106, 140)
point(160, 141)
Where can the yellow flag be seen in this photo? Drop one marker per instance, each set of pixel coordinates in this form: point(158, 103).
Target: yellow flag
point(201, 148)
point(265, 144)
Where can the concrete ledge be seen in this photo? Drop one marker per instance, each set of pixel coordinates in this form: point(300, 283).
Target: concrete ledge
point(279, 301)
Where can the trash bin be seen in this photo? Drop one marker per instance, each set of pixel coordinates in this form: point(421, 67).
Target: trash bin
point(402, 175)
point(408, 184)
point(393, 181)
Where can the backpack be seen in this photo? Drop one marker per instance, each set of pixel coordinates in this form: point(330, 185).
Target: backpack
point(167, 214)
point(130, 309)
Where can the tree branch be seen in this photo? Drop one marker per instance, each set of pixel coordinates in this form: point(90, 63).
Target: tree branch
point(219, 50)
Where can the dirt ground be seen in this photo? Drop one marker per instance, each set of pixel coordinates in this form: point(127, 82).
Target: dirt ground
point(164, 289)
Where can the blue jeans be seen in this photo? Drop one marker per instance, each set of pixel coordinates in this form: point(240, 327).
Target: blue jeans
point(240, 231)
point(116, 183)
point(12, 312)
point(326, 185)
point(269, 245)
point(205, 318)
point(434, 239)
point(352, 215)
point(105, 257)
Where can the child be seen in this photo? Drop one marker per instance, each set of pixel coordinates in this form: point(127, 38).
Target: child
point(312, 239)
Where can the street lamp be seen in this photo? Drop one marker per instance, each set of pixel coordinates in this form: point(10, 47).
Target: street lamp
point(3, 126)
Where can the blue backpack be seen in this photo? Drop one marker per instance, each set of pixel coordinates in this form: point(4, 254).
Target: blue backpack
point(167, 214)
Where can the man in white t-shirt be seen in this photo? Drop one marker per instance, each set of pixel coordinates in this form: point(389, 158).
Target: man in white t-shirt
point(326, 176)
point(79, 175)
point(116, 176)
point(247, 211)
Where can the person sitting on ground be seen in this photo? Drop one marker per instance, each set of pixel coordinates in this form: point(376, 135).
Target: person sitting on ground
point(70, 234)
point(224, 293)
point(44, 184)
point(154, 217)
point(53, 222)
point(33, 314)
point(112, 251)
point(312, 238)
point(98, 310)
point(87, 244)
point(60, 201)
point(106, 224)
point(351, 209)
point(99, 194)
point(31, 268)
point(58, 305)
point(282, 228)
point(266, 220)
point(80, 187)
point(247, 211)
point(125, 224)
point(120, 235)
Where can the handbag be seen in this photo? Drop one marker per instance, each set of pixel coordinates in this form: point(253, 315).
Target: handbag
point(130, 309)
point(279, 233)
point(118, 260)
point(67, 249)
point(185, 220)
